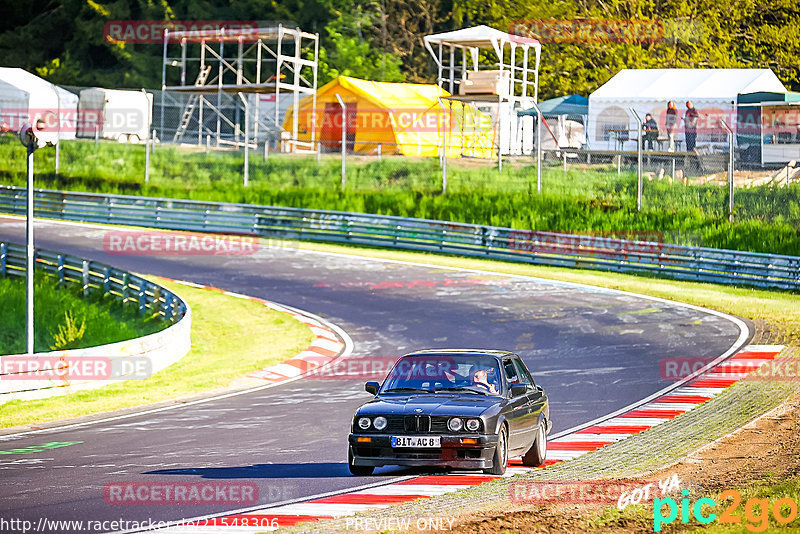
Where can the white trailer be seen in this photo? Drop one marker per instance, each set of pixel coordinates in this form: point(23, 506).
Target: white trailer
point(118, 114)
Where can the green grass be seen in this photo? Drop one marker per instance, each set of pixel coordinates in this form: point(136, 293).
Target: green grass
point(105, 320)
point(582, 200)
point(230, 338)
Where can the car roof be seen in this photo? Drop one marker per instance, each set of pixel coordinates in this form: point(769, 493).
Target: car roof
point(498, 354)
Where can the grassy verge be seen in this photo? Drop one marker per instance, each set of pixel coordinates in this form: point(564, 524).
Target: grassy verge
point(230, 338)
point(584, 199)
point(65, 319)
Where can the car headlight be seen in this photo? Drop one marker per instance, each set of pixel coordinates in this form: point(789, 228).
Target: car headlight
point(455, 424)
point(380, 422)
point(473, 424)
point(364, 422)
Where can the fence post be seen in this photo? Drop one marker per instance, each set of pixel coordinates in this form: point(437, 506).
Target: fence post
point(208, 143)
point(147, 160)
point(444, 150)
point(730, 170)
point(344, 139)
point(638, 161)
point(60, 269)
point(266, 150)
point(379, 150)
point(3, 258)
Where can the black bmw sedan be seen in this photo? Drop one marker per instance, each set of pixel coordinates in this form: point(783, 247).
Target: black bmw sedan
point(457, 408)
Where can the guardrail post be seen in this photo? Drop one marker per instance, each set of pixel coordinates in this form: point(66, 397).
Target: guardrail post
point(60, 269)
point(168, 304)
point(3, 258)
point(156, 307)
point(85, 277)
point(106, 281)
point(125, 288)
point(142, 300)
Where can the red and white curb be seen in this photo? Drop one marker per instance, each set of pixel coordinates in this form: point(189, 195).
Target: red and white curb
point(329, 341)
point(692, 392)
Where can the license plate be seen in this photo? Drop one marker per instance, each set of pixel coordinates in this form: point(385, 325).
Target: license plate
point(417, 441)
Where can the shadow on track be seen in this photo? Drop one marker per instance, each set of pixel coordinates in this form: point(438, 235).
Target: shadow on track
point(294, 470)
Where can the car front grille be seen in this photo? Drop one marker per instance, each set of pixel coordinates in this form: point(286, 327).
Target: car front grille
point(415, 424)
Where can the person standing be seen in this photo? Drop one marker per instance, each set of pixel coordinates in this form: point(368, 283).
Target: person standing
point(671, 124)
point(690, 125)
point(650, 132)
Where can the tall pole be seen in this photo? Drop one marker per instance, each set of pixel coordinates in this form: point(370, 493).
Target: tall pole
point(29, 266)
point(344, 139)
point(638, 161)
point(444, 147)
point(730, 170)
point(246, 140)
point(146, 160)
point(539, 126)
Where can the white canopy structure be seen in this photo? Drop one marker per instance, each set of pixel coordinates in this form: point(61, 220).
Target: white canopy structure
point(25, 98)
point(511, 85)
point(713, 92)
point(483, 37)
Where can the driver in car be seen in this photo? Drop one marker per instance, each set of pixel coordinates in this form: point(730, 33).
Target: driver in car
point(486, 378)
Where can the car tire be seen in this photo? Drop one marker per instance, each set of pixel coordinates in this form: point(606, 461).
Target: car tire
point(537, 454)
point(133, 138)
point(358, 470)
point(500, 458)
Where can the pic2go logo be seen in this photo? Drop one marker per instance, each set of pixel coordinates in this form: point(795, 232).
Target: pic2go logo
point(756, 511)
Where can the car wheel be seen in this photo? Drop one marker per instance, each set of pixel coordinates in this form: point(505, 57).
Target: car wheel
point(133, 138)
point(358, 470)
point(538, 452)
point(123, 138)
point(500, 458)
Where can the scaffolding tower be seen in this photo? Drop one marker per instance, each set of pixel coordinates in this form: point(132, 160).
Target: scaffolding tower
point(228, 71)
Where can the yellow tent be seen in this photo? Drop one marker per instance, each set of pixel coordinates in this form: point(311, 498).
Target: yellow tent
point(403, 118)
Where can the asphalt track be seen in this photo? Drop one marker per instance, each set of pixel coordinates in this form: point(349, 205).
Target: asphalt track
point(594, 351)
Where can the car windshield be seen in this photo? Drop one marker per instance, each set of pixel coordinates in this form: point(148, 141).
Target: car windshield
point(446, 373)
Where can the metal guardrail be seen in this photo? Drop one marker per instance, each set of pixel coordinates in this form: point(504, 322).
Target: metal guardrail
point(544, 248)
point(91, 275)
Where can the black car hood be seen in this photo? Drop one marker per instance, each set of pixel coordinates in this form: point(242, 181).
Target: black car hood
point(468, 405)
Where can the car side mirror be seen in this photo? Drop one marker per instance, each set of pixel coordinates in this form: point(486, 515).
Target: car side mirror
point(518, 389)
point(371, 387)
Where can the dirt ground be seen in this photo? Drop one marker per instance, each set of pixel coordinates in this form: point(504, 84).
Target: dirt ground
point(767, 446)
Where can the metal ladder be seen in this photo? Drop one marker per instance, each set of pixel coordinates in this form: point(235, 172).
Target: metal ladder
point(188, 110)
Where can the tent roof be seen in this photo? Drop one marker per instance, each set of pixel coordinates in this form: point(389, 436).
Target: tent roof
point(24, 80)
point(566, 105)
point(65, 96)
point(478, 36)
point(687, 84)
point(390, 95)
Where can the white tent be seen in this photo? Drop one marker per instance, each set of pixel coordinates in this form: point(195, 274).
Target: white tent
point(25, 98)
point(68, 103)
point(713, 92)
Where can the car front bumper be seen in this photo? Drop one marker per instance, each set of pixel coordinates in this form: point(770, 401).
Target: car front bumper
point(453, 452)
